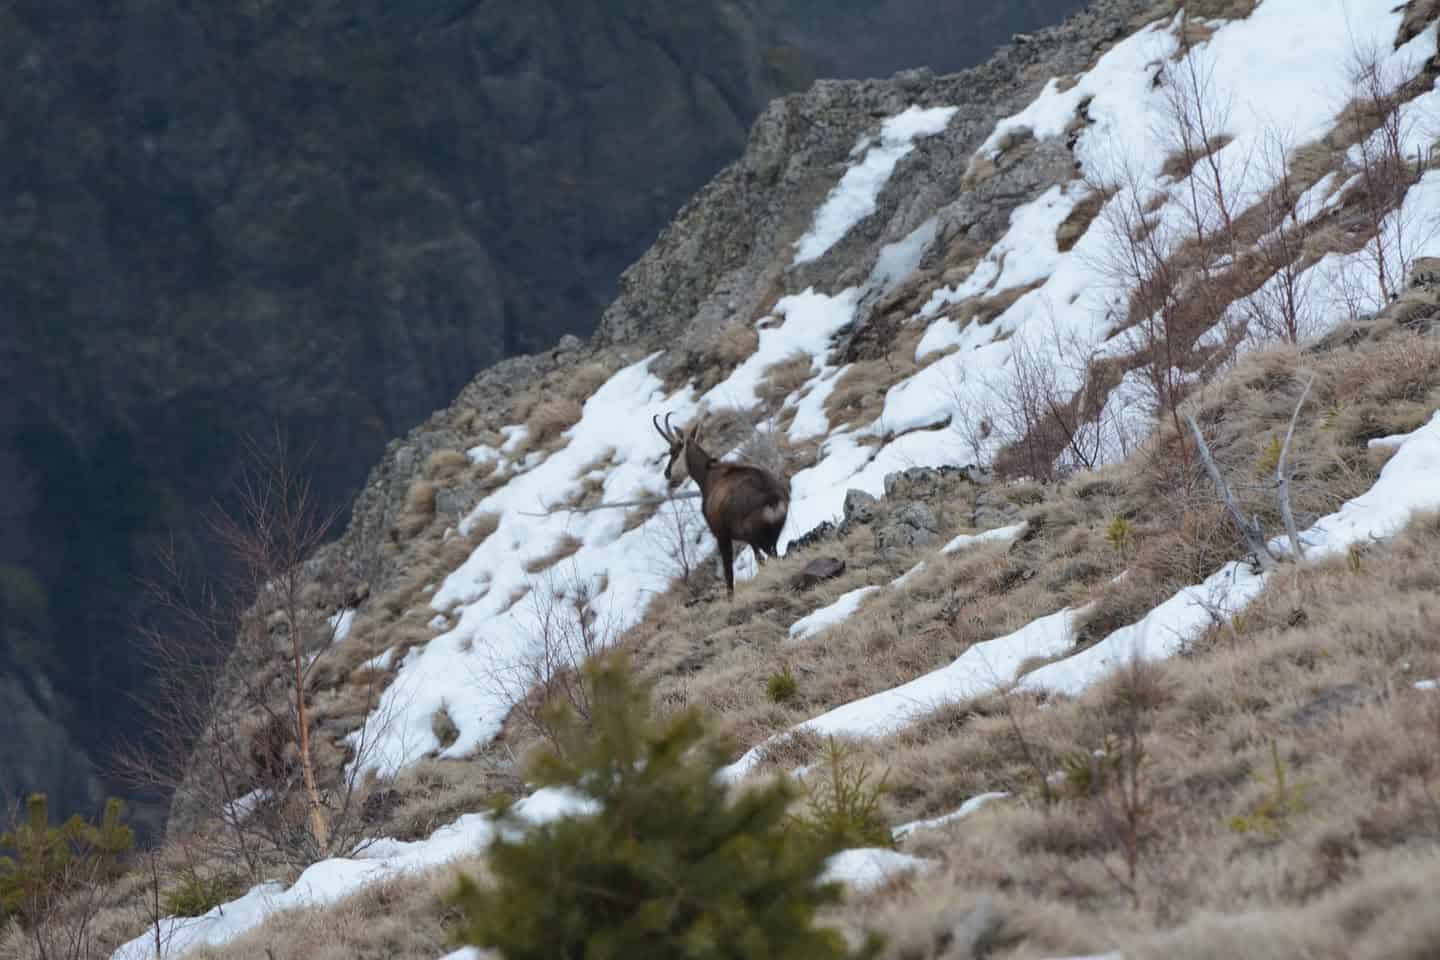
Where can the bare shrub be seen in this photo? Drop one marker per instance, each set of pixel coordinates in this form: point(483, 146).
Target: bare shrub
point(1282, 308)
point(1385, 174)
point(1192, 126)
point(233, 732)
point(567, 629)
point(1162, 318)
point(680, 536)
point(1049, 413)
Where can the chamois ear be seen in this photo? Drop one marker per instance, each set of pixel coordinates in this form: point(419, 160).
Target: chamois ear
point(695, 428)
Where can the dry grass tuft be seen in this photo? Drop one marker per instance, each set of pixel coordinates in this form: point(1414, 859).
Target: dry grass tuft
point(443, 465)
point(1074, 226)
point(582, 382)
point(418, 511)
point(551, 417)
point(784, 377)
point(1181, 163)
point(734, 344)
point(567, 546)
point(481, 526)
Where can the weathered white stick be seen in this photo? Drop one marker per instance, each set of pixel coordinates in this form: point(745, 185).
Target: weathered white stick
point(1254, 540)
point(617, 505)
point(1282, 477)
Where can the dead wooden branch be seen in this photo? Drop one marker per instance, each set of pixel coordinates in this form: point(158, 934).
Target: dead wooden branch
point(1249, 530)
point(1282, 477)
point(617, 505)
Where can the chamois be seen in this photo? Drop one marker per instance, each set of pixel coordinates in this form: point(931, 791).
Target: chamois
point(740, 501)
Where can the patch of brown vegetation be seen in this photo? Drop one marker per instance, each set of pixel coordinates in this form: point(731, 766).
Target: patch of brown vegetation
point(1419, 14)
point(637, 517)
point(1315, 676)
point(783, 378)
point(1181, 163)
point(1074, 226)
point(549, 418)
point(445, 465)
point(418, 511)
point(567, 546)
point(581, 382)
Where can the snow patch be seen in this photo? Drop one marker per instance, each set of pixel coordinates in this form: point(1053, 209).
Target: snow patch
point(999, 535)
point(829, 615)
point(867, 867)
point(853, 198)
point(331, 880)
point(966, 809)
point(897, 261)
point(981, 669)
point(340, 625)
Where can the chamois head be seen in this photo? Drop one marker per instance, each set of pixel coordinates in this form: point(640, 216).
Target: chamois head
point(677, 468)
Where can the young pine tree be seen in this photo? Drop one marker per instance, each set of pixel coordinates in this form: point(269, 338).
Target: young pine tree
point(48, 862)
point(671, 867)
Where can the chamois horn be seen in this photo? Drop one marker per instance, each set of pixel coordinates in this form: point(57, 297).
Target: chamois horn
point(667, 431)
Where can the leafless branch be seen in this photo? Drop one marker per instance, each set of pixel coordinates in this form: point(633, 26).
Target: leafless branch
point(1249, 531)
point(618, 504)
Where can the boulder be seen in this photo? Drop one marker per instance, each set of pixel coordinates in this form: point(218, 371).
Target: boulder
point(860, 508)
point(909, 526)
point(819, 570)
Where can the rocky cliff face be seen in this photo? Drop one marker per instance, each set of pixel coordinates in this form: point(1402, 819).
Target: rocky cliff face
point(327, 216)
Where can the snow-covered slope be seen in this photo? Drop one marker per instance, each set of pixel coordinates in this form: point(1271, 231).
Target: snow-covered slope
point(887, 223)
point(1270, 82)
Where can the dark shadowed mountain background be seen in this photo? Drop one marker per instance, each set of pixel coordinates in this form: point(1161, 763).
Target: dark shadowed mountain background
point(216, 218)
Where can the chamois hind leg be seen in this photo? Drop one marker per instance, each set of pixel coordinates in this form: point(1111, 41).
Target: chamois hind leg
point(727, 556)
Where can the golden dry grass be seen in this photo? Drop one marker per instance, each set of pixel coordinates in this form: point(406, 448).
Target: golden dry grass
point(443, 465)
point(418, 510)
point(549, 418)
point(1074, 226)
point(1319, 673)
point(567, 546)
point(401, 918)
point(783, 378)
point(734, 344)
point(583, 381)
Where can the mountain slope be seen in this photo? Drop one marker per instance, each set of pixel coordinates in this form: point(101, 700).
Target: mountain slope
point(324, 217)
point(1038, 270)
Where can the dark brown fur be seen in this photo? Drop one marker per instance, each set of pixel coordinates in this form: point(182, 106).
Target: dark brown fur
point(740, 501)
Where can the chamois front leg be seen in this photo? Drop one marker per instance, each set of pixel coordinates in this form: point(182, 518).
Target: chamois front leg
point(727, 556)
